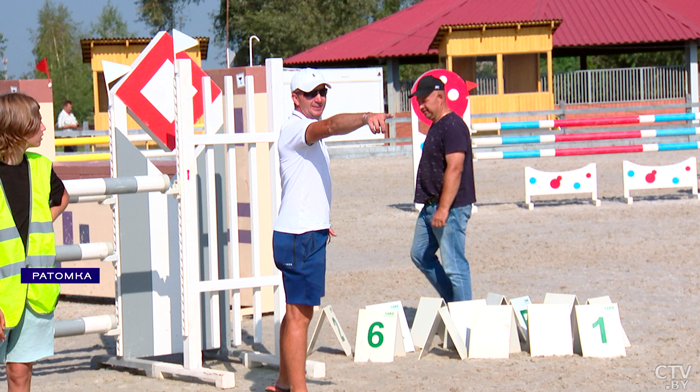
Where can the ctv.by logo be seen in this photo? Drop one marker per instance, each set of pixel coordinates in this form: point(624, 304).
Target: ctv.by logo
point(676, 376)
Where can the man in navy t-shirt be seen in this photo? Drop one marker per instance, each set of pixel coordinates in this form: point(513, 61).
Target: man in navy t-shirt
point(445, 185)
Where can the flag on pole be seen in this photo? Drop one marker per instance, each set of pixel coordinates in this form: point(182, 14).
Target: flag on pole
point(43, 66)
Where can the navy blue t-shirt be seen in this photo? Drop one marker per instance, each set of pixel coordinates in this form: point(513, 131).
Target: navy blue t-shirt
point(447, 135)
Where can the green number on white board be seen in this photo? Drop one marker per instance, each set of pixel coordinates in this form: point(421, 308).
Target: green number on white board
point(600, 323)
point(340, 331)
point(371, 334)
point(523, 313)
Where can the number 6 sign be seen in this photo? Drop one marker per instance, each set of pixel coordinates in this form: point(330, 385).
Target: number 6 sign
point(378, 337)
point(600, 330)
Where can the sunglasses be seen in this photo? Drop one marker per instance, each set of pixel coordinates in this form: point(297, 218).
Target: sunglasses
point(312, 94)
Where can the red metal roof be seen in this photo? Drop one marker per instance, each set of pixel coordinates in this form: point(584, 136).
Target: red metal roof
point(584, 23)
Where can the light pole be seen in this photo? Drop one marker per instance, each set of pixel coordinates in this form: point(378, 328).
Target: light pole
point(228, 58)
point(250, 47)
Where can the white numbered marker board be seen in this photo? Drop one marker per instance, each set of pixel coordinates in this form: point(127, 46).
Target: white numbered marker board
point(462, 313)
point(520, 305)
point(549, 328)
point(496, 299)
point(600, 330)
point(606, 300)
point(328, 314)
point(423, 322)
point(444, 320)
point(491, 332)
point(378, 336)
point(570, 300)
point(405, 331)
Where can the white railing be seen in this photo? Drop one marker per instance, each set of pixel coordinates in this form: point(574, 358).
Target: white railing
point(598, 86)
point(621, 85)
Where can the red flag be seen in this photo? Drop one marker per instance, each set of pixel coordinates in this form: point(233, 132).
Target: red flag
point(43, 66)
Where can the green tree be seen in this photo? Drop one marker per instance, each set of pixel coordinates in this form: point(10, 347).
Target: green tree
point(562, 64)
point(58, 39)
point(289, 27)
point(163, 15)
point(110, 24)
point(3, 48)
point(628, 60)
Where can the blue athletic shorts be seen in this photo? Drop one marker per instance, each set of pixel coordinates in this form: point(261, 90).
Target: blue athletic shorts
point(302, 260)
point(30, 341)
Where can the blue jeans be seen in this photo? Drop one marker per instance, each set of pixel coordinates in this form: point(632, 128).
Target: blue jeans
point(452, 278)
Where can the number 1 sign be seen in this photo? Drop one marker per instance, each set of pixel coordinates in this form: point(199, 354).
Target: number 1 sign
point(600, 330)
point(378, 336)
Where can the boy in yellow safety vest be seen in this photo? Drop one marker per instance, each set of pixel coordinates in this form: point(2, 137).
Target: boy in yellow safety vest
point(31, 198)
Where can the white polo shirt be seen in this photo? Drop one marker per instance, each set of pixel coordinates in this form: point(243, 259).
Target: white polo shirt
point(306, 179)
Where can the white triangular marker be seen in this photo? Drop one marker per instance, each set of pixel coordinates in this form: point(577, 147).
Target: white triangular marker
point(462, 313)
point(520, 305)
point(397, 306)
point(329, 314)
point(600, 330)
point(114, 71)
point(182, 41)
point(549, 329)
point(571, 301)
point(496, 299)
point(605, 300)
point(443, 319)
point(425, 316)
point(492, 329)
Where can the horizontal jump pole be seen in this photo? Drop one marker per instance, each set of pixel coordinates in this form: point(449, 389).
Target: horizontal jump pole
point(95, 250)
point(100, 156)
point(105, 156)
point(582, 122)
point(117, 186)
point(578, 137)
point(84, 325)
point(88, 199)
point(560, 152)
point(86, 141)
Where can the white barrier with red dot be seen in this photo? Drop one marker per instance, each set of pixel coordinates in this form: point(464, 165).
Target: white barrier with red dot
point(680, 175)
point(541, 183)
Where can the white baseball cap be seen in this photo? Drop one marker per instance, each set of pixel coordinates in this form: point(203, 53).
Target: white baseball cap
point(308, 79)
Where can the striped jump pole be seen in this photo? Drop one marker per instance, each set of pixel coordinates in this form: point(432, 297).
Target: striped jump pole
point(98, 187)
point(578, 137)
point(560, 152)
point(84, 325)
point(90, 251)
point(583, 122)
point(91, 324)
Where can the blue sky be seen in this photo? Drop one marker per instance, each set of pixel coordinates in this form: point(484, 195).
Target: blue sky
point(18, 16)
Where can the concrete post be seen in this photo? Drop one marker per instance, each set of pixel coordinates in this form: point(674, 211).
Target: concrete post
point(393, 91)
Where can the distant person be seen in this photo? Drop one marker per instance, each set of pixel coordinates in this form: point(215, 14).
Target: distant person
point(66, 122)
point(445, 187)
point(32, 198)
point(302, 228)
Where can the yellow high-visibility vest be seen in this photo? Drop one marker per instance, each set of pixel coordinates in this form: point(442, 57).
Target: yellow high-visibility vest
point(41, 248)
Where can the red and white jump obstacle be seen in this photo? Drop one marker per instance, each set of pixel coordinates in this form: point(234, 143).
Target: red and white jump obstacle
point(583, 122)
point(456, 103)
point(168, 238)
point(582, 180)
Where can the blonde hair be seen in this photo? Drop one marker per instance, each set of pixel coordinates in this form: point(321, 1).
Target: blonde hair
point(19, 119)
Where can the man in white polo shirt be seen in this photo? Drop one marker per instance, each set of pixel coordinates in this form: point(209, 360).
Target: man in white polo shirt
point(302, 228)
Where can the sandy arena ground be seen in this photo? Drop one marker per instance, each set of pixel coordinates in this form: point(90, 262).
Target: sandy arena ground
point(643, 255)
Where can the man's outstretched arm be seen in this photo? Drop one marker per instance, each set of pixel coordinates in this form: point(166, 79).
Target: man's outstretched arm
point(344, 123)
